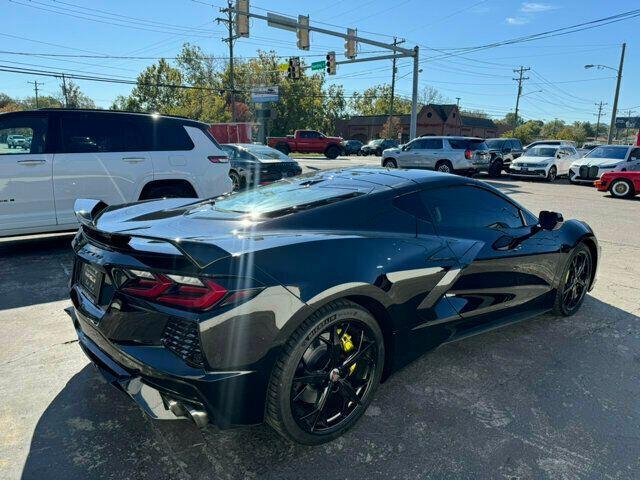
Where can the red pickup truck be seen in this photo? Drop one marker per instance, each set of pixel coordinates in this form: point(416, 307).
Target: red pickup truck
point(307, 141)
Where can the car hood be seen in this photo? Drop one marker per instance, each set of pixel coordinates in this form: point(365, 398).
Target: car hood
point(596, 161)
point(535, 159)
point(392, 150)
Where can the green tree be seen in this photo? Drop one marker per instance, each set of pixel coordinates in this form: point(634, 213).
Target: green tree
point(527, 132)
point(376, 101)
point(509, 120)
point(74, 98)
point(552, 129)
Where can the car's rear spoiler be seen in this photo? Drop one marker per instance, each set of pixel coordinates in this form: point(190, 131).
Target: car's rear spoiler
point(200, 253)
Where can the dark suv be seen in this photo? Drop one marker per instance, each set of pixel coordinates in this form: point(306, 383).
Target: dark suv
point(377, 146)
point(503, 152)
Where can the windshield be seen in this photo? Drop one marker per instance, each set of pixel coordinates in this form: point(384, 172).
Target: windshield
point(619, 153)
point(285, 196)
point(266, 153)
point(495, 143)
point(541, 152)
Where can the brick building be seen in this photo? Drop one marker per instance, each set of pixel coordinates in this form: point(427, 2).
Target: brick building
point(432, 120)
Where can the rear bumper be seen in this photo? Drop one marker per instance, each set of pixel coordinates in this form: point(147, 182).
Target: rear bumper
point(165, 388)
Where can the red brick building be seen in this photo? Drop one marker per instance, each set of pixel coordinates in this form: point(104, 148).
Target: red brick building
point(432, 120)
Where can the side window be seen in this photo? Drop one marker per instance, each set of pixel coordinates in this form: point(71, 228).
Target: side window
point(230, 151)
point(433, 143)
point(91, 133)
point(313, 134)
point(635, 154)
point(170, 137)
point(516, 145)
point(244, 155)
point(304, 135)
point(23, 135)
point(419, 144)
point(466, 207)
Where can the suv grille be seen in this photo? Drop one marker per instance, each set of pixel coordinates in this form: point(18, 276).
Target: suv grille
point(182, 338)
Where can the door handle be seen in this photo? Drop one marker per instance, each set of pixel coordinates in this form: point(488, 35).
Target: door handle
point(133, 159)
point(31, 162)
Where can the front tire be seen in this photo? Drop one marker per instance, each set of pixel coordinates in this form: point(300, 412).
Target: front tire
point(327, 375)
point(283, 148)
point(390, 163)
point(575, 282)
point(552, 175)
point(495, 169)
point(621, 189)
point(332, 152)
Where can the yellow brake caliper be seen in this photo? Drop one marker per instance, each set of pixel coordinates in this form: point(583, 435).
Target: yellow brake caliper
point(347, 346)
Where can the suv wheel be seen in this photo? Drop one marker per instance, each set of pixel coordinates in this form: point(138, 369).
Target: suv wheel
point(495, 169)
point(621, 188)
point(444, 166)
point(553, 174)
point(390, 163)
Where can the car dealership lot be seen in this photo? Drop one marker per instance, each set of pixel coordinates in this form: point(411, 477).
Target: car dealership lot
point(547, 398)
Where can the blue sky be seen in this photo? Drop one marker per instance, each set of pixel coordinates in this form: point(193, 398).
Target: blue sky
point(558, 85)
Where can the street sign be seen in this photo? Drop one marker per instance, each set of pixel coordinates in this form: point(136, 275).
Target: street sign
point(627, 122)
point(320, 65)
point(280, 21)
point(265, 94)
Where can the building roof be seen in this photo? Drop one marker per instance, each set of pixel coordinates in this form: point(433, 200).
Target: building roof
point(470, 121)
point(375, 119)
point(443, 110)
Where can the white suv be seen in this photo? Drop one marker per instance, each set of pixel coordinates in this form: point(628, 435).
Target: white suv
point(116, 157)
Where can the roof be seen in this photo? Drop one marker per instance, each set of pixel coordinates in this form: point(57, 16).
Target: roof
point(376, 119)
point(443, 110)
point(394, 178)
point(470, 121)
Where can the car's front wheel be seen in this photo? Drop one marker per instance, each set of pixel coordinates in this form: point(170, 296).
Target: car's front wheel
point(390, 163)
point(495, 169)
point(327, 374)
point(552, 174)
point(621, 188)
point(575, 281)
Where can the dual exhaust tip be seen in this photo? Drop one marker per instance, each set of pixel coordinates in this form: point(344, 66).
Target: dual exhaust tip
point(181, 410)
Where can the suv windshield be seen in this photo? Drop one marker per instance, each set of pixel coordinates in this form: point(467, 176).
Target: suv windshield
point(619, 153)
point(284, 197)
point(495, 143)
point(541, 152)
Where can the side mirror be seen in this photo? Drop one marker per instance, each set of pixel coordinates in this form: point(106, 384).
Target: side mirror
point(549, 220)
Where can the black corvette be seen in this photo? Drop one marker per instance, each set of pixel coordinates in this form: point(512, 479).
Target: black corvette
point(290, 303)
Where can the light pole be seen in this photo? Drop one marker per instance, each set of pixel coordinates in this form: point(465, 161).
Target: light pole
point(617, 94)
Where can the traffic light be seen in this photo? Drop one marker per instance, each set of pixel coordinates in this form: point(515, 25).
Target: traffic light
point(242, 20)
point(303, 33)
point(294, 70)
point(331, 63)
point(350, 44)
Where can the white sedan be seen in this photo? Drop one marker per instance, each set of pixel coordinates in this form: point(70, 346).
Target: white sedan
point(544, 161)
point(602, 159)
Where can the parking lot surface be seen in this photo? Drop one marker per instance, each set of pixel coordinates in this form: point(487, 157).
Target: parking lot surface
point(551, 397)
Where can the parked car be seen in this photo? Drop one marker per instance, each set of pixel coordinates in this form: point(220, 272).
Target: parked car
point(352, 147)
point(377, 146)
point(566, 143)
point(307, 141)
point(586, 148)
point(15, 141)
point(544, 161)
point(111, 156)
point(252, 164)
point(503, 152)
point(620, 184)
point(231, 315)
point(445, 154)
point(602, 159)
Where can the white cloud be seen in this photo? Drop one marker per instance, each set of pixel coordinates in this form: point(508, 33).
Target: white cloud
point(532, 7)
point(516, 20)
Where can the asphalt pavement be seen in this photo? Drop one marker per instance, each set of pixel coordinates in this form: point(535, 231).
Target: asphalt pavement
point(555, 398)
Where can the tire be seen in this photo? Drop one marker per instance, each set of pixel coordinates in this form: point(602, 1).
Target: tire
point(168, 191)
point(560, 306)
point(378, 153)
point(332, 152)
point(283, 148)
point(552, 175)
point(236, 180)
point(283, 409)
point(621, 188)
point(444, 166)
point(495, 169)
point(390, 163)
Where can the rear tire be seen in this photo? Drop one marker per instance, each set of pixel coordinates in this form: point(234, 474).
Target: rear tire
point(390, 163)
point(283, 148)
point(308, 353)
point(444, 166)
point(621, 188)
point(574, 283)
point(332, 152)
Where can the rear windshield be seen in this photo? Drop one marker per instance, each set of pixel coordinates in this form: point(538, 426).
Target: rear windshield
point(285, 197)
point(467, 144)
point(619, 153)
point(266, 153)
point(496, 143)
point(541, 152)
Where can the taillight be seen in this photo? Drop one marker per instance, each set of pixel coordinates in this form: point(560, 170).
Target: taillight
point(180, 291)
point(468, 154)
point(218, 158)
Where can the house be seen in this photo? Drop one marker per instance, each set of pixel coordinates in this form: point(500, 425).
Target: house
point(433, 119)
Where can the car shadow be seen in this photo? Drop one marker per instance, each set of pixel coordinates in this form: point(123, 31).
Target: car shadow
point(520, 402)
point(34, 270)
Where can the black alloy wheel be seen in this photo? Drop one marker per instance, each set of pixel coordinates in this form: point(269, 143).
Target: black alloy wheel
point(552, 175)
point(576, 279)
point(326, 379)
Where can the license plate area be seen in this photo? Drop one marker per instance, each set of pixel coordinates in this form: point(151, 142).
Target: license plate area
point(90, 279)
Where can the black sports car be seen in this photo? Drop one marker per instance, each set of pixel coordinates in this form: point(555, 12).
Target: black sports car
point(290, 303)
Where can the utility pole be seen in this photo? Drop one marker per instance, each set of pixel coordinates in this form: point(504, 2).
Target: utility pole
point(64, 92)
point(615, 98)
point(230, 39)
point(458, 102)
point(520, 79)
point(394, 70)
point(35, 84)
point(600, 106)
